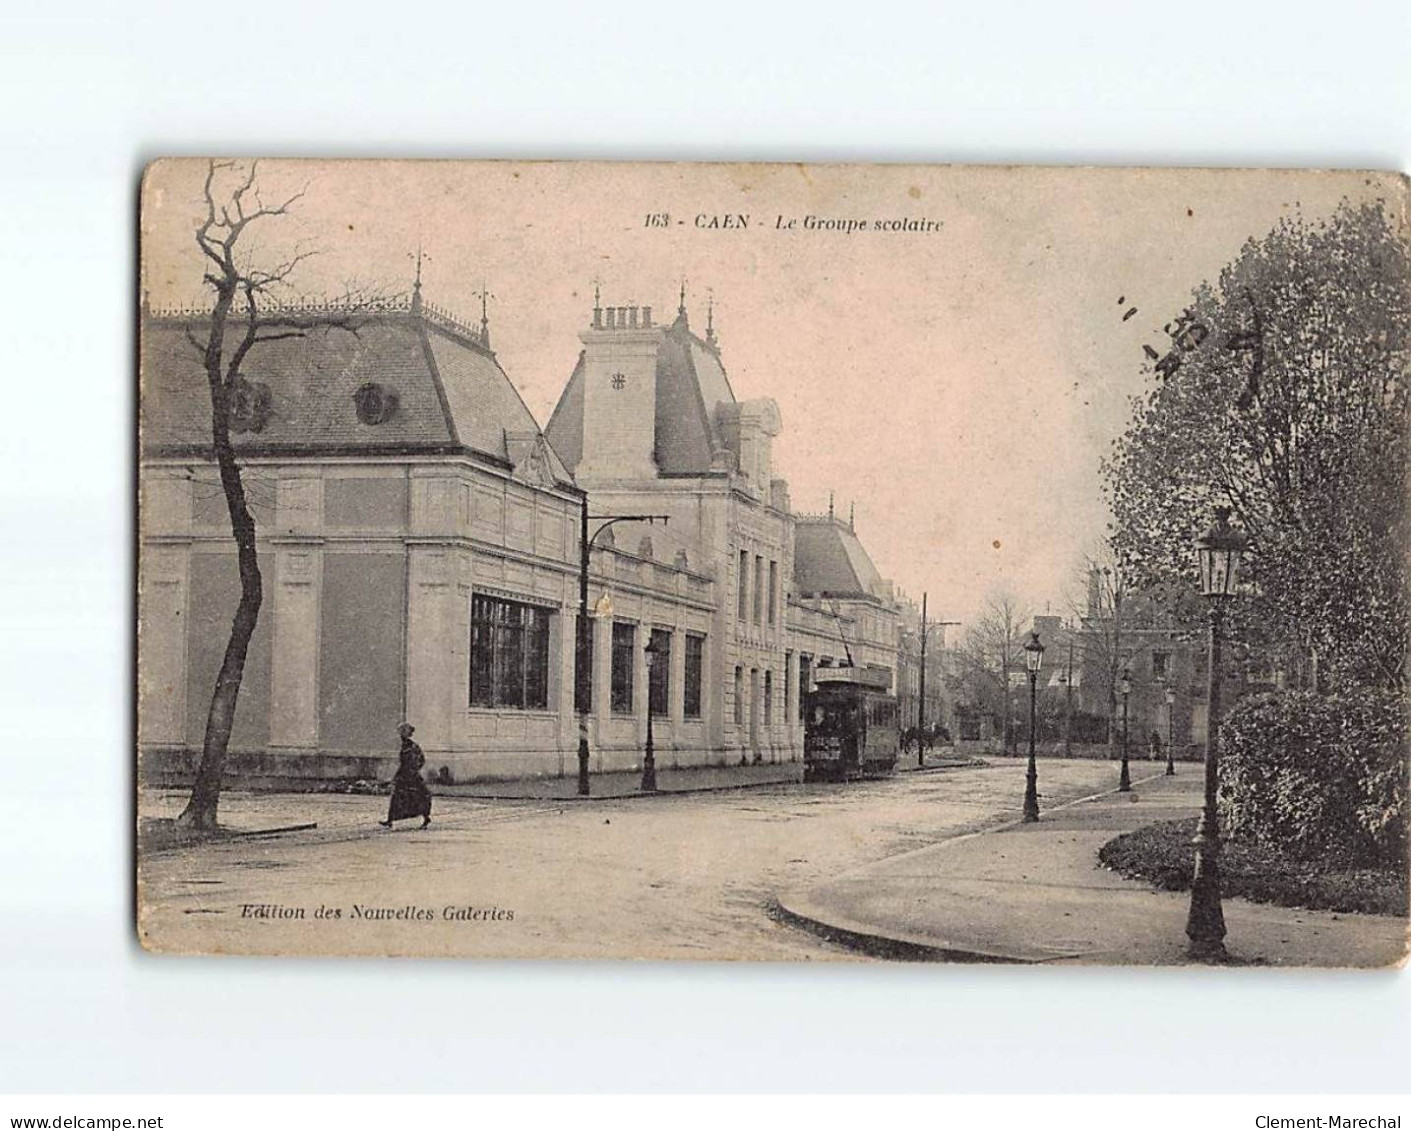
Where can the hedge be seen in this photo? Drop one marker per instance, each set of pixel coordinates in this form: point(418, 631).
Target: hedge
point(1314, 773)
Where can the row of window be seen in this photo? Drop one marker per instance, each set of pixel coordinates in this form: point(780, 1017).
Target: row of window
point(767, 698)
point(509, 664)
point(509, 661)
point(766, 594)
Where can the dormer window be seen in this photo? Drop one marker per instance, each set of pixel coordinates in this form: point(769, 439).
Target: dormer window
point(375, 403)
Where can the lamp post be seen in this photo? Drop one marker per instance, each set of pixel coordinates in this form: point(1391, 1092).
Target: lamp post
point(649, 761)
point(1219, 552)
point(580, 674)
point(1033, 660)
point(1170, 732)
point(1124, 783)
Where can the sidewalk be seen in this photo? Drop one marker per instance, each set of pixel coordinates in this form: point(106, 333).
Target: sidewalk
point(627, 783)
point(1036, 893)
point(694, 779)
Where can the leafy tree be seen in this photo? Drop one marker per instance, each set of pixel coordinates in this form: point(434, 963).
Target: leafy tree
point(1284, 398)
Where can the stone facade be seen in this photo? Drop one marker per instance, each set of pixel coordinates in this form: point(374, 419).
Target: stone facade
point(421, 558)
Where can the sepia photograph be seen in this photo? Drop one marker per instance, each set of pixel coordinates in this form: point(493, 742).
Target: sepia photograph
point(784, 562)
point(680, 566)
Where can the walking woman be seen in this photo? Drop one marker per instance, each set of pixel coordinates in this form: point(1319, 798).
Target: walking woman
point(410, 797)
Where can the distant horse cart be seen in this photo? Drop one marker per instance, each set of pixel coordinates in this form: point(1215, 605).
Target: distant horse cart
point(852, 725)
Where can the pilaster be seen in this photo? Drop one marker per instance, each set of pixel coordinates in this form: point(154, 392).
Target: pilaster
point(294, 674)
point(432, 681)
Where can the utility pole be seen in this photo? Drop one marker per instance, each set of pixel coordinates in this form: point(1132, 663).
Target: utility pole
point(921, 696)
point(1068, 705)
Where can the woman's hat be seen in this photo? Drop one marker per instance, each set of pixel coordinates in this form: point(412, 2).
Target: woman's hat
point(406, 728)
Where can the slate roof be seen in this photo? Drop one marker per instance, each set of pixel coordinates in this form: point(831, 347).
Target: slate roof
point(691, 386)
point(830, 561)
point(452, 395)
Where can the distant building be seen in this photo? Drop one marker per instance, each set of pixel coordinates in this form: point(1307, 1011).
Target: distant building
point(1140, 635)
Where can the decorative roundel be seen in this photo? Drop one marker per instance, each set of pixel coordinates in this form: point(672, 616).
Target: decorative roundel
point(619, 380)
point(250, 405)
point(375, 403)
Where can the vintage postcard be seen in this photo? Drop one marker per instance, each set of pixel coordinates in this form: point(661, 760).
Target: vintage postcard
point(772, 562)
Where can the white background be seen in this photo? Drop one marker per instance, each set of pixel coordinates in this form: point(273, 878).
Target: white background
point(88, 94)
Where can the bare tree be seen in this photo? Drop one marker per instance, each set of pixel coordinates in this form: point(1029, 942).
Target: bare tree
point(993, 648)
point(1113, 617)
point(245, 314)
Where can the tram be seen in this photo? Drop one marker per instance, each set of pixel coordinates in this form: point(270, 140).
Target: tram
point(852, 726)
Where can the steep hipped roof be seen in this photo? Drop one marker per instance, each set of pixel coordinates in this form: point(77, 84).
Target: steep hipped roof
point(830, 561)
point(691, 385)
point(451, 394)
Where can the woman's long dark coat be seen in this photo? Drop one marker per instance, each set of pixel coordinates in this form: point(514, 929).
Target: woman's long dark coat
point(410, 797)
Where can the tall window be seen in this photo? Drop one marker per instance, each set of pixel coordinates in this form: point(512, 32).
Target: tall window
point(739, 696)
point(768, 697)
point(1158, 665)
point(624, 661)
point(509, 654)
point(742, 609)
point(805, 680)
point(788, 682)
point(773, 590)
point(659, 679)
point(758, 588)
point(695, 664)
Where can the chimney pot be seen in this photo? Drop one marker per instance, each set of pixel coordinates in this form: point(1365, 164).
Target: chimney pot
point(647, 317)
point(632, 317)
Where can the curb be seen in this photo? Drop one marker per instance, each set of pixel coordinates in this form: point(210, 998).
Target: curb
point(886, 947)
point(636, 794)
point(880, 945)
point(633, 796)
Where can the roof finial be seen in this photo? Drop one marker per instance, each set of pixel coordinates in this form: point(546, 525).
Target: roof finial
point(597, 303)
point(830, 506)
point(852, 516)
point(710, 317)
point(485, 295)
point(416, 285)
point(681, 306)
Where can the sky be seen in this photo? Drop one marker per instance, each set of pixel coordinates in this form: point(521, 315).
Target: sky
point(957, 383)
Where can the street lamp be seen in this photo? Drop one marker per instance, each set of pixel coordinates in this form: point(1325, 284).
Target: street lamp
point(1170, 732)
point(580, 675)
point(649, 762)
point(1219, 551)
point(1033, 660)
point(1124, 783)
